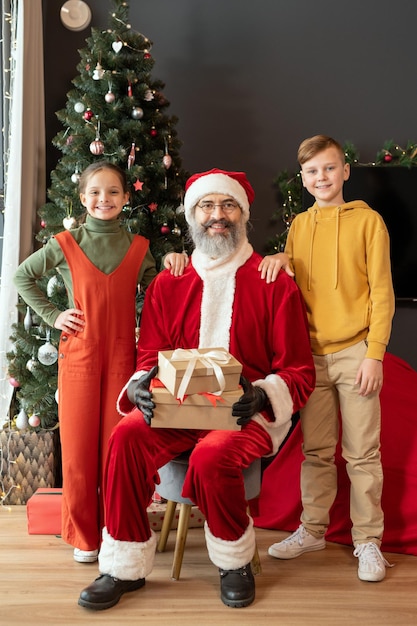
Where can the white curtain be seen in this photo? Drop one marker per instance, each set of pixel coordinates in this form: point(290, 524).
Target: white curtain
point(25, 161)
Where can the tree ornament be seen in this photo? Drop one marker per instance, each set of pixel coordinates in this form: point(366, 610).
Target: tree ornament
point(97, 147)
point(146, 54)
point(79, 107)
point(43, 224)
point(51, 286)
point(137, 113)
point(180, 209)
point(167, 161)
point(69, 140)
point(88, 115)
point(14, 383)
point(56, 396)
point(98, 72)
point(27, 322)
point(148, 96)
point(69, 222)
point(110, 97)
point(153, 132)
point(22, 420)
point(75, 176)
point(131, 157)
point(176, 231)
point(129, 89)
point(117, 46)
point(31, 364)
point(34, 421)
point(48, 354)
point(165, 229)
point(388, 158)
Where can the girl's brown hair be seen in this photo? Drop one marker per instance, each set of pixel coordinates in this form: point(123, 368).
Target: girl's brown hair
point(97, 166)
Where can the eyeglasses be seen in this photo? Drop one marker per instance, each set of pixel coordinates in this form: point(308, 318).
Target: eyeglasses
point(227, 206)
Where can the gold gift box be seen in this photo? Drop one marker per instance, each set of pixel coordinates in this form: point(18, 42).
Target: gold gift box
point(198, 410)
point(203, 375)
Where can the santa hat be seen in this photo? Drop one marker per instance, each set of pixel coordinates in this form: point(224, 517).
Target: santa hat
point(234, 184)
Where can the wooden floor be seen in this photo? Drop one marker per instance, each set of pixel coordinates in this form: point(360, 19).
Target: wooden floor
point(40, 584)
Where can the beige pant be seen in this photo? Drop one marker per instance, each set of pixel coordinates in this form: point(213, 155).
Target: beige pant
point(360, 423)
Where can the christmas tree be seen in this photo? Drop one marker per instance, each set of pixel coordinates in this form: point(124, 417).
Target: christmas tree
point(115, 111)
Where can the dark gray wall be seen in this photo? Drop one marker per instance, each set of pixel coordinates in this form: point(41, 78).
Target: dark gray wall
point(249, 81)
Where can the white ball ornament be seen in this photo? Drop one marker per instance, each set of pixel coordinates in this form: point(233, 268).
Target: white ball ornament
point(56, 396)
point(69, 222)
point(34, 421)
point(47, 354)
point(79, 107)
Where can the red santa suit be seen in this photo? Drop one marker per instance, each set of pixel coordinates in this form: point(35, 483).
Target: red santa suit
point(215, 303)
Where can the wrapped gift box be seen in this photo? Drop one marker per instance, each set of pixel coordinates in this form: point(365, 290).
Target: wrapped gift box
point(44, 512)
point(203, 370)
point(198, 410)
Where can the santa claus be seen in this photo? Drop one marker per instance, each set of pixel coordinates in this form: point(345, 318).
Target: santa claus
point(220, 300)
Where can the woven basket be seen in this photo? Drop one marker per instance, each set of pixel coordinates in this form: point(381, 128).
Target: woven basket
point(28, 460)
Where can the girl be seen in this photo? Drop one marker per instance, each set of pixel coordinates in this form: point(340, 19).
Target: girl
point(101, 265)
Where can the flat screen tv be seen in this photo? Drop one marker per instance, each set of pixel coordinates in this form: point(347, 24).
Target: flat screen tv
point(392, 191)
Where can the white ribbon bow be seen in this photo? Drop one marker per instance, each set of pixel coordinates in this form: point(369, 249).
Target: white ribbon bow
point(212, 358)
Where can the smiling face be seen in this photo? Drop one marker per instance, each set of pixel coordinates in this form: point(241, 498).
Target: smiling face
point(324, 175)
point(218, 232)
point(104, 196)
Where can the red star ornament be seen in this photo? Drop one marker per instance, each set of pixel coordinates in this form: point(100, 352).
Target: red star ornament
point(138, 185)
point(152, 206)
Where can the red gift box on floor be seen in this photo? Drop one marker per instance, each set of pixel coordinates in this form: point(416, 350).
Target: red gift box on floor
point(44, 512)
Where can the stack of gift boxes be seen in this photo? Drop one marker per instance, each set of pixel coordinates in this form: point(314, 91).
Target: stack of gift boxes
point(194, 389)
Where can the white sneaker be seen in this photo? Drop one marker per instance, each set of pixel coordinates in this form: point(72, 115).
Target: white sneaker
point(85, 556)
point(371, 562)
point(299, 542)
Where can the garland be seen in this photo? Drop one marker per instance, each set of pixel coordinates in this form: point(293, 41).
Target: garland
point(290, 187)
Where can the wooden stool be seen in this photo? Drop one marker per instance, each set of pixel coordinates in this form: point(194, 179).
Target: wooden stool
point(172, 477)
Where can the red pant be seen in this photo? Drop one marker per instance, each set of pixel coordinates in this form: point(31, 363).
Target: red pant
point(214, 480)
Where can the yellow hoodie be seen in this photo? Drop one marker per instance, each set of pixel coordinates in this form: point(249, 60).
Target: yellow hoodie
point(341, 259)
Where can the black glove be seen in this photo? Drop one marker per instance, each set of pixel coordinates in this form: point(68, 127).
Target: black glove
point(142, 395)
point(253, 400)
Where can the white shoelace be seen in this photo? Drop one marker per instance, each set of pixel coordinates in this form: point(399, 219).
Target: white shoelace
point(297, 537)
point(371, 553)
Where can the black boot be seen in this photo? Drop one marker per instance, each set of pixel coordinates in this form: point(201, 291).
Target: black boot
point(237, 586)
point(106, 591)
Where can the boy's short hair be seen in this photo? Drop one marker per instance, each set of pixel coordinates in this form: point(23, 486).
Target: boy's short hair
point(313, 145)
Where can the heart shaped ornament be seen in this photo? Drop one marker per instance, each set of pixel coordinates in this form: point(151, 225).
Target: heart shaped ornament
point(117, 46)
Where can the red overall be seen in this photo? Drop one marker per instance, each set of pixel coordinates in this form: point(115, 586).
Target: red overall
point(93, 366)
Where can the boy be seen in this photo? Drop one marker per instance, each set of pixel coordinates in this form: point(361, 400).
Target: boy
point(341, 259)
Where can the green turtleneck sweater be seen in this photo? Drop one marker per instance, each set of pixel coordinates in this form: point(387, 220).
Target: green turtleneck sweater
point(105, 243)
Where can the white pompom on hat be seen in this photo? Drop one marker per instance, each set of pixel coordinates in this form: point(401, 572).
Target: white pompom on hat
point(233, 184)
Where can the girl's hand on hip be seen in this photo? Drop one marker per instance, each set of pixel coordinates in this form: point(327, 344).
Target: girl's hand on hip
point(70, 321)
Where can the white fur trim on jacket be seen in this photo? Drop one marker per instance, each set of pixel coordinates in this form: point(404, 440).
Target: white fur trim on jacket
point(126, 560)
point(219, 282)
point(282, 406)
point(231, 554)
